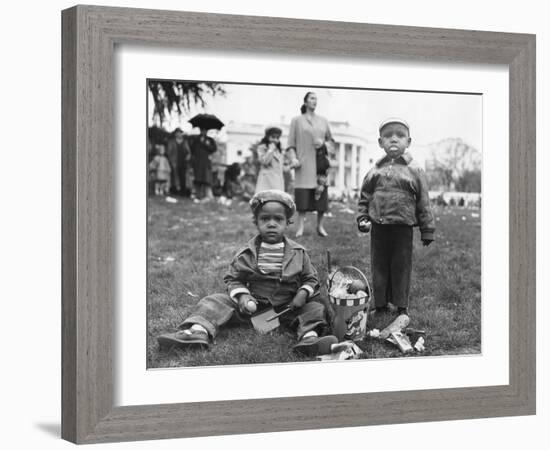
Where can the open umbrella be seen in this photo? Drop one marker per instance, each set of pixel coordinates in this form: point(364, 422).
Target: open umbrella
point(208, 121)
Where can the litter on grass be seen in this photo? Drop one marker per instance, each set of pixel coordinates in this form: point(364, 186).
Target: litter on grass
point(342, 351)
point(171, 200)
point(397, 325)
point(374, 333)
point(419, 346)
point(400, 340)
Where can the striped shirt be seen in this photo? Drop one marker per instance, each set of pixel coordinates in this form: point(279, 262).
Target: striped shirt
point(270, 258)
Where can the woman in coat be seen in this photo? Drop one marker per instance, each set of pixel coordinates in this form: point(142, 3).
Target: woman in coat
point(305, 130)
point(202, 146)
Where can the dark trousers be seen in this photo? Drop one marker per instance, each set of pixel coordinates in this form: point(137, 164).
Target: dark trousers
point(391, 263)
point(182, 175)
point(215, 310)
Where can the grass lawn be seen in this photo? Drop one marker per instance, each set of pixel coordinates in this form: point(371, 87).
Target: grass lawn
point(190, 246)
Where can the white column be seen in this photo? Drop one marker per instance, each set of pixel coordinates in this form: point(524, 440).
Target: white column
point(341, 165)
point(353, 166)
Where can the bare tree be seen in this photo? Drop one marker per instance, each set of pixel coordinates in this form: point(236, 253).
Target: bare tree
point(453, 165)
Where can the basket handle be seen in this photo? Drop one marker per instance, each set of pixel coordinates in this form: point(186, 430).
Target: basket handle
point(361, 274)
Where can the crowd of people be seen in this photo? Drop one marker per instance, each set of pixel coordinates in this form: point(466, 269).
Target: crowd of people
point(183, 165)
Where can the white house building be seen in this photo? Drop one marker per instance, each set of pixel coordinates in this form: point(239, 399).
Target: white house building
point(352, 155)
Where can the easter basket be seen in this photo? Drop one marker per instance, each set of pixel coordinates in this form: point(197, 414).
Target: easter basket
point(351, 296)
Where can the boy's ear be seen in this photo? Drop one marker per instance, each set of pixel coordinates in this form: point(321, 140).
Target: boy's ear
point(380, 142)
point(409, 141)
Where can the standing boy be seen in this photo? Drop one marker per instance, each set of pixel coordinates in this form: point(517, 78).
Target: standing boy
point(394, 199)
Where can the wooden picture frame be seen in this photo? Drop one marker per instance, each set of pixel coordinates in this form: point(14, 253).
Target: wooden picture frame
point(90, 34)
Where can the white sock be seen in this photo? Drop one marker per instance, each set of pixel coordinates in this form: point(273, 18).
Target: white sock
point(310, 333)
point(198, 327)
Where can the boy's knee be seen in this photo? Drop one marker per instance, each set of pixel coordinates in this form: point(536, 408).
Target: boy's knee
point(217, 299)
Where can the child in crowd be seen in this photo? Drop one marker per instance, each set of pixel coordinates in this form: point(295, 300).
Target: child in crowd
point(271, 161)
point(394, 199)
point(270, 271)
point(323, 164)
point(160, 170)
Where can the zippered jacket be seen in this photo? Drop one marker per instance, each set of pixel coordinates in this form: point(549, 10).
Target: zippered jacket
point(244, 276)
point(395, 192)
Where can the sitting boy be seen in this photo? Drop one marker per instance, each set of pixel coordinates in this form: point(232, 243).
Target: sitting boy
point(270, 271)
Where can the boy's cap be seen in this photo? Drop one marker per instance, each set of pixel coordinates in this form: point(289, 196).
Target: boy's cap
point(272, 195)
point(393, 120)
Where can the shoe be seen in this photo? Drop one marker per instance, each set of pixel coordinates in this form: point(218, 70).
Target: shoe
point(321, 232)
point(315, 345)
point(183, 338)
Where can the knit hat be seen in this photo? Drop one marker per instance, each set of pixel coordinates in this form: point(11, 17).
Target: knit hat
point(393, 120)
point(273, 195)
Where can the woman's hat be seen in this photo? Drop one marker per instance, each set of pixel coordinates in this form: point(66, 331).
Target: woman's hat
point(273, 195)
point(273, 130)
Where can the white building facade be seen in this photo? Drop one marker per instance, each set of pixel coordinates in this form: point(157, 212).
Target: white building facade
point(352, 154)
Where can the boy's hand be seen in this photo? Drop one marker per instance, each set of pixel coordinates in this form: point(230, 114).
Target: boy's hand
point(244, 300)
point(426, 242)
point(299, 300)
point(364, 226)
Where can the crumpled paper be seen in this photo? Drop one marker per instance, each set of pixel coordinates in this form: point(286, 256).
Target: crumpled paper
point(342, 351)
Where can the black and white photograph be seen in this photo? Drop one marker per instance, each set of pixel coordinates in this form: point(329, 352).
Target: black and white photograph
point(309, 223)
point(256, 225)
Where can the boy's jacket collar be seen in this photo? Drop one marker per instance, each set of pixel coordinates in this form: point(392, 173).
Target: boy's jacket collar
point(405, 158)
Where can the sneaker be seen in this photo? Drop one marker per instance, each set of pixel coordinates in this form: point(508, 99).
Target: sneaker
point(315, 345)
point(184, 338)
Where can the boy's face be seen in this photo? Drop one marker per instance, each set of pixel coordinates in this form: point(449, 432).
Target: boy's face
point(160, 149)
point(272, 222)
point(394, 139)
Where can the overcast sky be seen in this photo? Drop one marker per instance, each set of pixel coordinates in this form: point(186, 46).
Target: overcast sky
point(431, 116)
